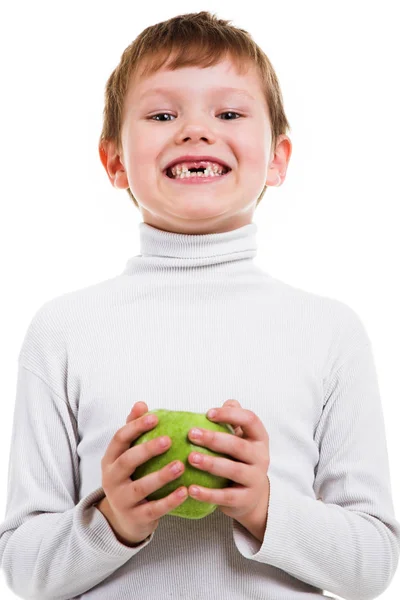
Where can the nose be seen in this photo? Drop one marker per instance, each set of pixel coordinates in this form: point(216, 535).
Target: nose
point(196, 129)
point(205, 138)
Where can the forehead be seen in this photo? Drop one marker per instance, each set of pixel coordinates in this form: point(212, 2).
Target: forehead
point(221, 79)
point(175, 91)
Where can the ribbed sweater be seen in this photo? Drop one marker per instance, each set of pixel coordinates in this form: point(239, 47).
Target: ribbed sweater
point(189, 323)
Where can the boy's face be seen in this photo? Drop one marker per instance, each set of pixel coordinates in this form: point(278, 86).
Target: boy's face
point(192, 104)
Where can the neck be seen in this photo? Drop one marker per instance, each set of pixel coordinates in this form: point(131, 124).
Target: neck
point(176, 250)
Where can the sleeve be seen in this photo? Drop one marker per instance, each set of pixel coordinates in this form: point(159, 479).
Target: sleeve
point(349, 542)
point(52, 545)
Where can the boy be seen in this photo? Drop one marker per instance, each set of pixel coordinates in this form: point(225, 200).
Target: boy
point(192, 324)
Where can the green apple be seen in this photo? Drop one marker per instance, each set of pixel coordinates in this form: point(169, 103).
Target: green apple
point(176, 424)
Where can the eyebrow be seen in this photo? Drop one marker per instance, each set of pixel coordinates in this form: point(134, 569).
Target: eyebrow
point(225, 90)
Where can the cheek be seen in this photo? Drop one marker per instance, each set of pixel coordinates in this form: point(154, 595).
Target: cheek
point(146, 145)
point(254, 159)
point(252, 148)
point(144, 163)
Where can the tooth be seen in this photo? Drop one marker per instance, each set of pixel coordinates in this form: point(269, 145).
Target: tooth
point(211, 170)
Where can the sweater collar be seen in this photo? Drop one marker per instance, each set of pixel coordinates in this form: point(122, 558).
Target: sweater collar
point(168, 249)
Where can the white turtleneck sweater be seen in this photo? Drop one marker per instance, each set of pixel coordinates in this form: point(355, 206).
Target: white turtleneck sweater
point(189, 323)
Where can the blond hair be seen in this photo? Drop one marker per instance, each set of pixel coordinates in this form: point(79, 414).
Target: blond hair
point(194, 39)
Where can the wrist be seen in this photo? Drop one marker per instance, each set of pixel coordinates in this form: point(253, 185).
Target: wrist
point(104, 507)
point(256, 522)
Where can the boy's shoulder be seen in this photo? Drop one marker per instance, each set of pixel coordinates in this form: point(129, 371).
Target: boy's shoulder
point(339, 320)
point(61, 311)
point(332, 319)
point(60, 318)
point(297, 296)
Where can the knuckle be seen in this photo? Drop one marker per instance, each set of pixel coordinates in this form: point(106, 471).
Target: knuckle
point(137, 488)
point(125, 460)
point(150, 513)
point(251, 416)
point(241, 472)
point(120, 435)
point(229, 498)
point(209, 436)
point(238, 443)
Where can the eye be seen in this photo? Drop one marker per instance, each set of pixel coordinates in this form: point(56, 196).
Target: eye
point(158, 114)
point(230, 112)
point(227, 112)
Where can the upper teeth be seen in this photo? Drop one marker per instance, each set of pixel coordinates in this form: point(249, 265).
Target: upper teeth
point(210, 167)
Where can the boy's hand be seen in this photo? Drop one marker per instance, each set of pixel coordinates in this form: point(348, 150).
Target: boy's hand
point(247, 499)
point(131, 516)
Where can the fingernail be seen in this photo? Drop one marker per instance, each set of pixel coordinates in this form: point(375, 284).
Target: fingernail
point(196, 433)
point(211, 413)
point(175, 467)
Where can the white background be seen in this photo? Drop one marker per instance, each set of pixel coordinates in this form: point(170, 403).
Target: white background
point(332, 228)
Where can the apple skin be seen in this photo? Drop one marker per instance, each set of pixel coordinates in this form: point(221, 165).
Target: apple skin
point(176, 424)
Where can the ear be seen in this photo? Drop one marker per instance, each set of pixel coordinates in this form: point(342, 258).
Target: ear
point(113, 165)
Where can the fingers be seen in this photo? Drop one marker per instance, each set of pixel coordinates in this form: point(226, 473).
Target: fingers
point(144, 486)
point(123, 438)
point(223, 467)
point(225, 443)
point(154, 510)
point(234, 495)
point(251, 425)
point(126, 464)
point(138, 409)
point(132, 515)
point(121, 460)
